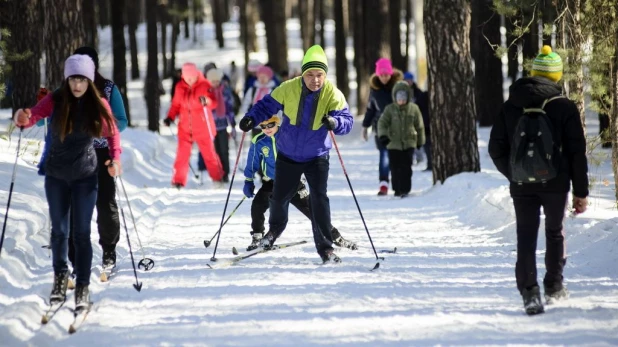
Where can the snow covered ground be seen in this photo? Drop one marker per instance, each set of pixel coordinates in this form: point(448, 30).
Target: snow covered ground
point(451, 281)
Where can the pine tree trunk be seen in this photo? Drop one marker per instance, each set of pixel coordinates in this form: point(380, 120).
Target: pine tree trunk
point(218, 13)
point(28, 45)
point(530, 42)
point(320, 16)
point(549, 16)
point(198, 17)
point(341, 33)
point(453, 116)
point(360, 60)
point(152, 71)
point(248, 19)
point(408, 32)
point(104, 10)
point(133, 14)
point(307, 23)
point(394, 20)
point(66, 33)
point(163, 20)
point(273, 16)
point(119, 49)
point(575, 59)
point(89, 17)
point(613, 119)
point(244, 33)
point(487, 67)
point(176, 18)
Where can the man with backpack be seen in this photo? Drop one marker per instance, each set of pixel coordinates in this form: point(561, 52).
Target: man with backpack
point(538, 143)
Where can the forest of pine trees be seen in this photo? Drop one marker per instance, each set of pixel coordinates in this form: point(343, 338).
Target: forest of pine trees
point(462, 70)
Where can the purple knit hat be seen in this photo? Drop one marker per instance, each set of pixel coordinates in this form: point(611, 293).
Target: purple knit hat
point(79, 64)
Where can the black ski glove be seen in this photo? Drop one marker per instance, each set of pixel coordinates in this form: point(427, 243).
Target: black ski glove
point(168, 121)
point(329, 122)
point(246, 124)
point(384, 140)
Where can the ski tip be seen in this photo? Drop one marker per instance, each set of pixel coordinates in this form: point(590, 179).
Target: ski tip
point(103, 277)
point(234, 251)
point(210, 267)
point(71, 284)
point(395, 250)
point(72, 329)
point(44, 320)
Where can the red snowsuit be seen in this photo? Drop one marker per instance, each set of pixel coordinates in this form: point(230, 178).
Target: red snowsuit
point(196, 124)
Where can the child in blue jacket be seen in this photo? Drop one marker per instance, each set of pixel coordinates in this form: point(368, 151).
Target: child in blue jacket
point(261, 158)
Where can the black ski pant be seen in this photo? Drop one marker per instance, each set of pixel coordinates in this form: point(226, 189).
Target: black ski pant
point(107, 209)
point(288, 173)
point(261, 203)
point(400, 162)
point(528, 217)
point(222, 147)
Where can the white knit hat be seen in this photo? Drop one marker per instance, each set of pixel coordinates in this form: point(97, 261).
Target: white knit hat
point(79, 64)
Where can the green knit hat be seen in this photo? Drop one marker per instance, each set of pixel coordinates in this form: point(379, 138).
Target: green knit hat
point(547, 64)
point(314, 58)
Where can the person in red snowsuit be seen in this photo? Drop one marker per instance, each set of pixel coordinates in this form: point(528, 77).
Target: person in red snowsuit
point(193, 103)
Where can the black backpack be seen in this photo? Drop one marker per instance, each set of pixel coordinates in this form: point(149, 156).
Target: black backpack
point(535, 158)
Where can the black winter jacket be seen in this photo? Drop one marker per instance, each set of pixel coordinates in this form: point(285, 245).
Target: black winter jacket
point(568, 134)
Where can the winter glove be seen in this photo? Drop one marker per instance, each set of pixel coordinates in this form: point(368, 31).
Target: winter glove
point(168, 121)
point(246, 123)
point(329, 122)
point(384, 140)
point(248, 189)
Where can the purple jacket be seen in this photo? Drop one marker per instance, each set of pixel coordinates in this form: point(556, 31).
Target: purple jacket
point(303, 137)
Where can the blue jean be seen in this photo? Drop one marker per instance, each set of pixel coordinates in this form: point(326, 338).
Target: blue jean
point(383, 165)
point(81, 197)
point(288, 173)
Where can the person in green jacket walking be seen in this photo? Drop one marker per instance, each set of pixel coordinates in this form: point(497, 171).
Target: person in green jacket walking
point(402, 131)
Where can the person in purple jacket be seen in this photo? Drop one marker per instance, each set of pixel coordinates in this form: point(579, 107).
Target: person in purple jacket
point(312, 106)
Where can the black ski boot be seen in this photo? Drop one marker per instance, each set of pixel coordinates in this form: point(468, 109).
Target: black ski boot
point(82, 298)
point(109, 259)
point(532, 301)
point(553, 296)
point(59, 289)
point(255, 242)
point(268, 240)
point(339, 241)
point(329, 256)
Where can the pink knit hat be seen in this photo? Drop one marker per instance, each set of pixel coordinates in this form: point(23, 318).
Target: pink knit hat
point(265, 70)
point(189, 70)
point(79, 64)
point(384, 67)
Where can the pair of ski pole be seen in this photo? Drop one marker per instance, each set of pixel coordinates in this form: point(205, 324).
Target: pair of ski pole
point(332, 135)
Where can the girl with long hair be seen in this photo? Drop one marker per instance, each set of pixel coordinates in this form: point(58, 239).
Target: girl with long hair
point(71, 168)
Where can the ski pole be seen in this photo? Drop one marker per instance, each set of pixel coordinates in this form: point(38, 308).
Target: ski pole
point(227, 200)
point(332, 136)
point(190, 166)
point(207, 242)
point(146, 263)
point(138, 284)
point(8, 204)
